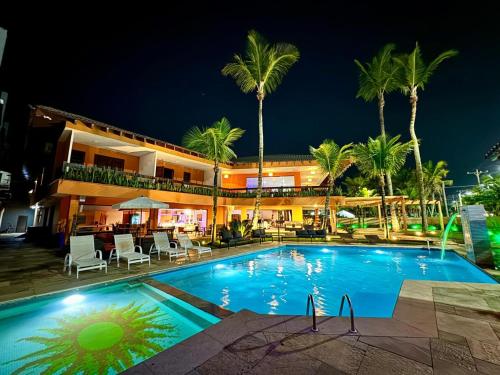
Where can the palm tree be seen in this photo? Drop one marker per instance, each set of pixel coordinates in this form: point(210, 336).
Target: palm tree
point(377, 158)
point(333, 160)
point(376, 78)
point(434, 175)
point(261, 69)
point(358, 186)
point(215, 142)
point(414, 75)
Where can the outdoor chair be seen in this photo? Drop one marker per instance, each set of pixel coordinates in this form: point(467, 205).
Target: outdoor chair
point(372, 238)
point(346, 236)
point(163, 244)
point(261, 235)
point(186, 244)
point(125, 249)
point(83, 255)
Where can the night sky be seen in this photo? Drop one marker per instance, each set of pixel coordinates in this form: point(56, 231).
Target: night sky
point(158, 72)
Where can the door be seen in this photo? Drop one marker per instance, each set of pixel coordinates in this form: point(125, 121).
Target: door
point(22, 223)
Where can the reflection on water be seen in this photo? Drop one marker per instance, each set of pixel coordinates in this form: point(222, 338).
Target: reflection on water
point(225, 297)
point(278, 281)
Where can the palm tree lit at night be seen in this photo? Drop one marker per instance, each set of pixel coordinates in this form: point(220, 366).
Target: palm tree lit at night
point(261, 69)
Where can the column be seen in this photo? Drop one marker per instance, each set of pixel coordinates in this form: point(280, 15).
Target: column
point(379, 211)
point(403, 213)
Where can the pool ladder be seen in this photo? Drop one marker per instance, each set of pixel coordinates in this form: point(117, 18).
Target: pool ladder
point(345, 297)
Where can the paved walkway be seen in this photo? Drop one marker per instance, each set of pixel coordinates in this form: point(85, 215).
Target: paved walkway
point(437, 328)
point(26, 270)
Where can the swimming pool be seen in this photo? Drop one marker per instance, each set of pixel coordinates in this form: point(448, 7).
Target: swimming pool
point(103, 330)
point(278, 281)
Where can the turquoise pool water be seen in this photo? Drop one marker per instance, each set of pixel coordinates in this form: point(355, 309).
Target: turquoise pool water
point(278, 281)
point(102, 330)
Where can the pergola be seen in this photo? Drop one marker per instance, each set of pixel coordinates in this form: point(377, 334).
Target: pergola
point(376, 201)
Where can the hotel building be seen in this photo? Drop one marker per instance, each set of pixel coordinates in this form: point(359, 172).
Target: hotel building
point(82, 167)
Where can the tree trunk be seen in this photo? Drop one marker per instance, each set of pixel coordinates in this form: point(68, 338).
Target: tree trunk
point(418, 160)
point(433, 207)
point(384, 212)
point(215, 195)
point(258, 196)
point(394, 217)
point(327, 202)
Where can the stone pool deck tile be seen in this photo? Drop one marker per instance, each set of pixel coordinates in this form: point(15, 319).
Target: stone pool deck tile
point(470, 328)
point(417, 349)
point(378, 361)
point(485, 367)
point(184, 357)
point(485, 351)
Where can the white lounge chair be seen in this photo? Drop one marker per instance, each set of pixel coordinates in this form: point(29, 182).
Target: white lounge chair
point(83, 255)
point(162, 244)
point(125, 249)
point(186, 244)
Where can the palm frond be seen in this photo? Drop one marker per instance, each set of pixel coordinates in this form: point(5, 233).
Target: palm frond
point(332, 159)
point(414, 73)
point(380, 156)
point(215, 142)
point(263, 66)
point(378, 76)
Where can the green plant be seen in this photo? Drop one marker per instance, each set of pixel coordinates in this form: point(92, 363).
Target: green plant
point(261, 69)
point(333, 160)
point(216, 143)
point(413, 75)
point(378, 157)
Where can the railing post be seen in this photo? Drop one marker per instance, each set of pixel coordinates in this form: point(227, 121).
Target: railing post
point(353, 329)
point(310, 301)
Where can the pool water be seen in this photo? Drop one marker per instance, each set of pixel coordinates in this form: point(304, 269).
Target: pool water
point(103, 330)
point(278, 281)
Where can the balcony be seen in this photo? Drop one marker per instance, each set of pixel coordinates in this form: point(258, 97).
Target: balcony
point(108, 176)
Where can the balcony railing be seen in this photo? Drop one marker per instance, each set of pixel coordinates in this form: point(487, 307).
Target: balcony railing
point(78, 172)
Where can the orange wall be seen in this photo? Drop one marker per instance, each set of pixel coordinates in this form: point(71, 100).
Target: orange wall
point(235, 181)
point(131, 162)
point(197, 175)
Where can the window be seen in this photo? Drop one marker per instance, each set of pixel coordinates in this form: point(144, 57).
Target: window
point(77, 157)
point(187, 177)
point(165, 172)
point(168, 173)
point(107, 161)
point(270, 182)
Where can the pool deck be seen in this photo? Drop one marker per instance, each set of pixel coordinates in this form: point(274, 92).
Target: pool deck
point(437, 327)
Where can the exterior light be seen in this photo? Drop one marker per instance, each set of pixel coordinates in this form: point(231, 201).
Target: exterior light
point(394, 238)
point(270, 174)
point(418, 233)
point(309, 179)
point(226, 176)
point(73, 299)
point(313, 172)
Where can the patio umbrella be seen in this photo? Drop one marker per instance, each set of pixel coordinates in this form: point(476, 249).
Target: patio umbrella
point(347, 214)
point(141, 203)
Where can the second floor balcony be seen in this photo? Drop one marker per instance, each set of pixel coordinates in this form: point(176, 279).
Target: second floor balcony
point(108, 176)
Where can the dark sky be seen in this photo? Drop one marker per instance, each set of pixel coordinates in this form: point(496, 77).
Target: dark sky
point(158, 72)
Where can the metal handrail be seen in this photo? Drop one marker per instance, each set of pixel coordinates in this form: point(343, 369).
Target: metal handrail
point(310, 301)
point(353, 329)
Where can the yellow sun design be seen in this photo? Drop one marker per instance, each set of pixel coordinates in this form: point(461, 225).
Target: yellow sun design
point(94, 342)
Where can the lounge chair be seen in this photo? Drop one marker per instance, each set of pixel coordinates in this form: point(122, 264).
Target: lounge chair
point(162, 244)
point(373, 238)
point(186, 244)
point(346, 236)
point(83, 255)
point(125, 249)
